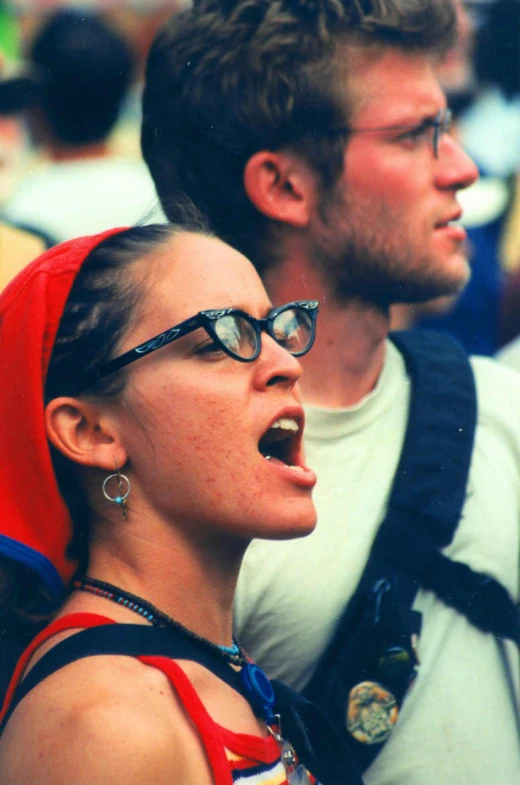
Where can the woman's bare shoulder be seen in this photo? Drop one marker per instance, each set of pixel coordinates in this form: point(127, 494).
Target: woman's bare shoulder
point(102, 721)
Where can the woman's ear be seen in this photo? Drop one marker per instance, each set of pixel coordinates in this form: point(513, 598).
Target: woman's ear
point(83, 433)
point(281, 186)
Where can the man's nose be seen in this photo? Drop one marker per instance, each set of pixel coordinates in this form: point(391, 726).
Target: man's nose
point(455, 169)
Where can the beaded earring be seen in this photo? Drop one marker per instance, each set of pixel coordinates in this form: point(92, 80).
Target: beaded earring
point(123, 486)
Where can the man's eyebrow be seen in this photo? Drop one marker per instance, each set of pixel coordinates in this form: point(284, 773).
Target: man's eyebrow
point(412, 116)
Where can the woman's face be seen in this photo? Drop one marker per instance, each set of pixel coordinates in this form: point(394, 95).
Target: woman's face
point(192, 417)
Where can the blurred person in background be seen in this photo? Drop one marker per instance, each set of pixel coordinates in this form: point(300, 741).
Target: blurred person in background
point(18, 245)
point(490, 126)
point(18, 90)
point(138, 22)
point(86, 69)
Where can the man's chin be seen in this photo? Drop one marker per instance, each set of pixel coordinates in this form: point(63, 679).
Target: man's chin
point(447, 284)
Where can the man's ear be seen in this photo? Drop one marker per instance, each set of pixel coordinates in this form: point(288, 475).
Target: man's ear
point(281, 186)
point(83, 433)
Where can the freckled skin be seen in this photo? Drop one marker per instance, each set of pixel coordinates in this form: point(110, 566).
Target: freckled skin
point(186, 429)
point(192, 422)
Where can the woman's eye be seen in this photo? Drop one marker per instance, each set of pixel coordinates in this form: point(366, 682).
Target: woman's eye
point(209, 348)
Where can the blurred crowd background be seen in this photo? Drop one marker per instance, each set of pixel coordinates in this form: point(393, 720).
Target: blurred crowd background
point(71, 76)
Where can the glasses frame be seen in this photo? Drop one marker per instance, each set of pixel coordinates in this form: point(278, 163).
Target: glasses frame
point(207, 320)
point(441, 124)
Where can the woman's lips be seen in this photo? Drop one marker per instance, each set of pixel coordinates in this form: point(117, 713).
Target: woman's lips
point(300, 474)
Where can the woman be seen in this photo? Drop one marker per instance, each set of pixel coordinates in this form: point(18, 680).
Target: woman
point(174, 437)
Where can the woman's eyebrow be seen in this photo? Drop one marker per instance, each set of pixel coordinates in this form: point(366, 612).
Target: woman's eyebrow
point(264, 311)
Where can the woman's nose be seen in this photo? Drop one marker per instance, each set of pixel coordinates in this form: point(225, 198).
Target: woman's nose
point(275, 365)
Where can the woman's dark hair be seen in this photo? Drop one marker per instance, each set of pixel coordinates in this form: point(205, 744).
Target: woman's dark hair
point(103, 302)
point(25, 607)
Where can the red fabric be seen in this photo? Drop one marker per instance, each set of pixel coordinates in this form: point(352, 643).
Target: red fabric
point(69, 622)
point(208, 730)
point(214, 737)
point(32, 511)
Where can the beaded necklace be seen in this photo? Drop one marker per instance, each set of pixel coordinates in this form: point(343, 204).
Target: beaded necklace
point(231, 654)
point(256, 687)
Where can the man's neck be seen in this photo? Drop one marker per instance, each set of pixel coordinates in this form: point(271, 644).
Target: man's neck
point(61, 153)
point(347, 358)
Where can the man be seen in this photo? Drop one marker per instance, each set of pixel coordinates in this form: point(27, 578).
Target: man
point(18, 245)
point(86, 69)
point(313, 136)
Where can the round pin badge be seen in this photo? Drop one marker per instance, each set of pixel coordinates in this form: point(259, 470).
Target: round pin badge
point(372, 712)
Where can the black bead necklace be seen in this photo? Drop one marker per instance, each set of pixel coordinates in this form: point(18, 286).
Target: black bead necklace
point(231, 654)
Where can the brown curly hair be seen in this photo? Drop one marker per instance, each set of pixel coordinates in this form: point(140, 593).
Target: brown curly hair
point(228, 78)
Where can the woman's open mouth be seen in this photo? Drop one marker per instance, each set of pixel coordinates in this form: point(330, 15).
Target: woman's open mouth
point(282, 441)
point(281, 445)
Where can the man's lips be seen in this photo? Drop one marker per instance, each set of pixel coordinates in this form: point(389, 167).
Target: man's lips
point(450, 227)
point(454, 232)
point(450, 218)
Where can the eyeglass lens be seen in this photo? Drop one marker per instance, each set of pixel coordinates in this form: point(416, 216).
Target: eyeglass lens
point(437, 131)
point(238, 335)
point(442, 126)
point(292, 329)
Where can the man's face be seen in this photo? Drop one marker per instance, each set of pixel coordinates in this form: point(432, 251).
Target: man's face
point(385, 233)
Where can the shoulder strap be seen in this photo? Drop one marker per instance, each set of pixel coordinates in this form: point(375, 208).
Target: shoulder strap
point(117, 639)
point(319, 745)
point(429, 488)
point(68, 622)
point(374, 640)
point(430, 485)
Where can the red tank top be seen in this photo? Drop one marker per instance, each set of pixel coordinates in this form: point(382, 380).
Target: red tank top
point(234, 758)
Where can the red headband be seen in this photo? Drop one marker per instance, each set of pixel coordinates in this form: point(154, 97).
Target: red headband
point(35, 525)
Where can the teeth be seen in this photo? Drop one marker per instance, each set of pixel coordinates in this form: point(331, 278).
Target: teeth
point(284, 429)
point(286, 424)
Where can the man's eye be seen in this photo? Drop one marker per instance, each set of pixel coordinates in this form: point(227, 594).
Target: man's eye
point(419, 133)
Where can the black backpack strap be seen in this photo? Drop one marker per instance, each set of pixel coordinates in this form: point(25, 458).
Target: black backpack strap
point(423, 515)
point(438, 444)
point(132, 640)
point(372, 652)
point(320, 747)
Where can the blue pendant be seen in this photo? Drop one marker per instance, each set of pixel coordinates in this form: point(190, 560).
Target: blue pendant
point(259, 691)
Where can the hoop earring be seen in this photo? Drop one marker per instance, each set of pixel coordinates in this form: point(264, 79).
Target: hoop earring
point(123, 485)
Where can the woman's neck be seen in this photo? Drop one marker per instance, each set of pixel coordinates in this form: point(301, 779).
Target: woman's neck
point(191, 583)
